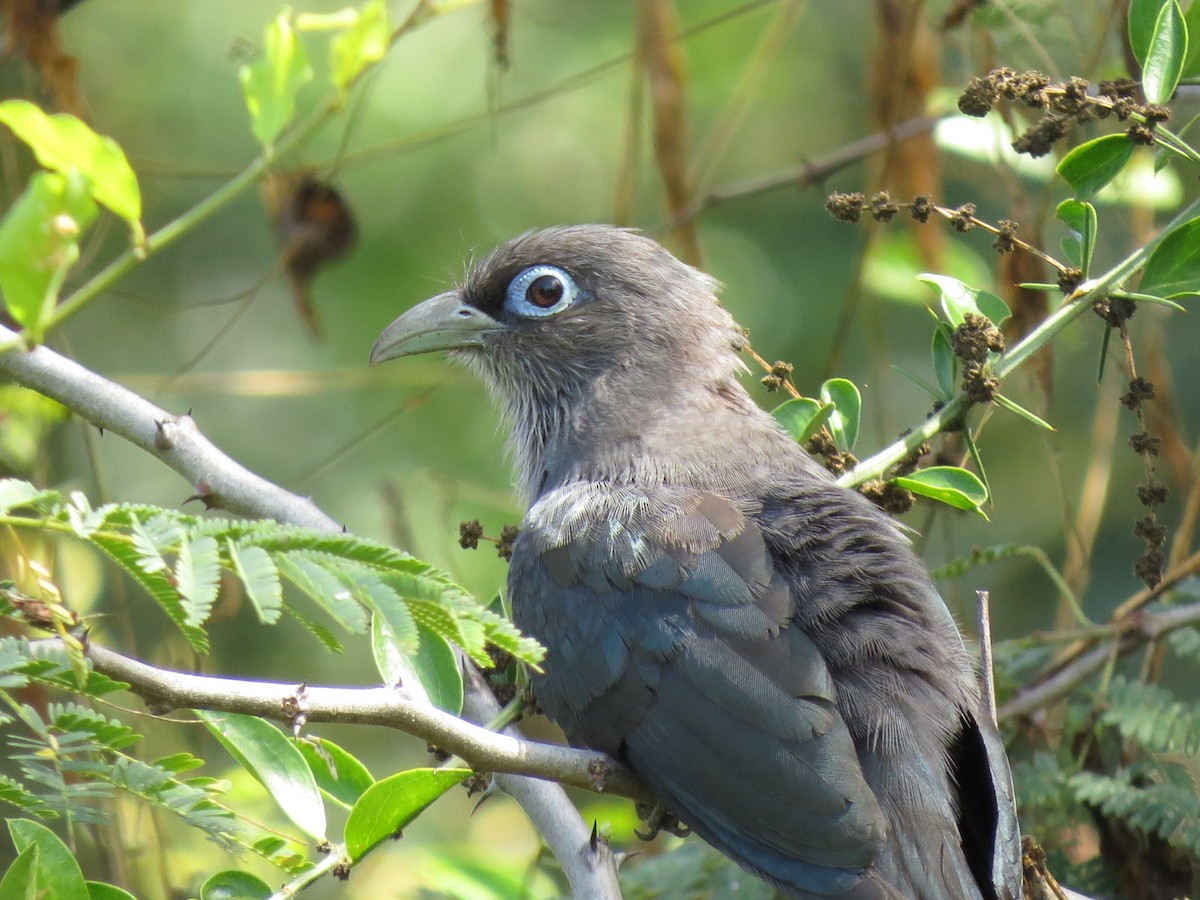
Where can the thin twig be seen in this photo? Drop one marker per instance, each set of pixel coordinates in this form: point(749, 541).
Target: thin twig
point(987, 673)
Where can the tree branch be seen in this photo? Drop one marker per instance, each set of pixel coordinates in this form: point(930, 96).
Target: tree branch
point(221, 482)
point(164, 690)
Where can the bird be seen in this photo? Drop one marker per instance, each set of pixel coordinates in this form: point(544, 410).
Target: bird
point(760, 645)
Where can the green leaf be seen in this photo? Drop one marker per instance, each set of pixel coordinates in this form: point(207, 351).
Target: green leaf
point(1174, 266)
point(1014, 407)
point(271, 81)
point(958, 299)
point(339, 774)
point(391, 804)
point(947, 484)
point(64, 144)
point(944, 360)
point(432, 670)
point(438, 669)
point(802, 417)
point(1151, 299)
point(39, 243)
point(198, 577)
point(20, 881)
point(1092, 165)
point(97, 890)
point(1191, 62)
point(235, 885)
point(1163, 66)
point(1143, 15)
point(58, 874)
point(267, 754)
point(1080, 217)
point(847, 404)
point(363, 43)
point(257, 571)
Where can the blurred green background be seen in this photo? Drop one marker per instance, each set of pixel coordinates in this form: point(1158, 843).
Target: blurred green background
point(437, 167)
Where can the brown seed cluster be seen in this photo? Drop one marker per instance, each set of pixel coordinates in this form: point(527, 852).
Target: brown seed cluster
point(1061, 104)
point(822, 447)
point(888, 496)
point(1115, 311)
point(780, 374)
point(972, 341)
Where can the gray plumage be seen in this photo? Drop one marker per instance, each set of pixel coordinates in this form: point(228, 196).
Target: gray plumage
point(758, 644)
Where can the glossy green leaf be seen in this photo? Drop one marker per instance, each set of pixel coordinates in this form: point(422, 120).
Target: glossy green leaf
point(1143, 14)
point(1080, 217)
point(1163, 66)
point(339, 774)
point(947, 484)
point(1092, 165)
point(391, 804)
point(432, 670)
point(257, 571)
point(20, 881)
point(363, 43)
point(233, 884)
point(1174, 266)
point(944, 360)
point(802, 417)
point(39, 242)
point(98, 890)
point(58, 874)
point(847, 411)
point(274, 760)
point(439, 671)
point(64, 144)
point(271, 80)
point(958, 299)
point(1191, 62)
point(1014, 407)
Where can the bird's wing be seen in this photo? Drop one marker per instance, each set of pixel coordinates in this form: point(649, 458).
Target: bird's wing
point(666, 625)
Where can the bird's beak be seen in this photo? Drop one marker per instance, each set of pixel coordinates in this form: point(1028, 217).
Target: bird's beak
point(445, 322)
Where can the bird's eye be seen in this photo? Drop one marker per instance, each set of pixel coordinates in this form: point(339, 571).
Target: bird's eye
point(541, 291)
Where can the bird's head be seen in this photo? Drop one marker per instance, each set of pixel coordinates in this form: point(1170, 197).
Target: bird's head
point(575, 327)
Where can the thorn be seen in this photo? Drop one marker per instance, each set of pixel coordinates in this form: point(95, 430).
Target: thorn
point(594, 840)
point(162, 440)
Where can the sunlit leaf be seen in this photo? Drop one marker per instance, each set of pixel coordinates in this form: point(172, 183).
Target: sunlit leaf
point(271, 81)
point(1092, 165)
point(1174, 266)
point(267, 754)
point(391, 804)
point(198, 577)
point(233, 884)
point(99, 891)
point(802, 417)
point(339, 774)
point(847, 403)
point(39, 243)
point(1165, 56)
point(363, 43)
point(440, 672)
point(1143, 15)
point(958, 299)
point(20, 881)
point(58, 874)
point(947, 484)
point(63, 143)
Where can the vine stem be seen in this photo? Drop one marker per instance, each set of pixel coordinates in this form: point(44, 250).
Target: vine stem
point(1073, 306)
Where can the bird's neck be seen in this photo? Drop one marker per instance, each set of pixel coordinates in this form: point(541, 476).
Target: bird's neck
point(622, 431)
